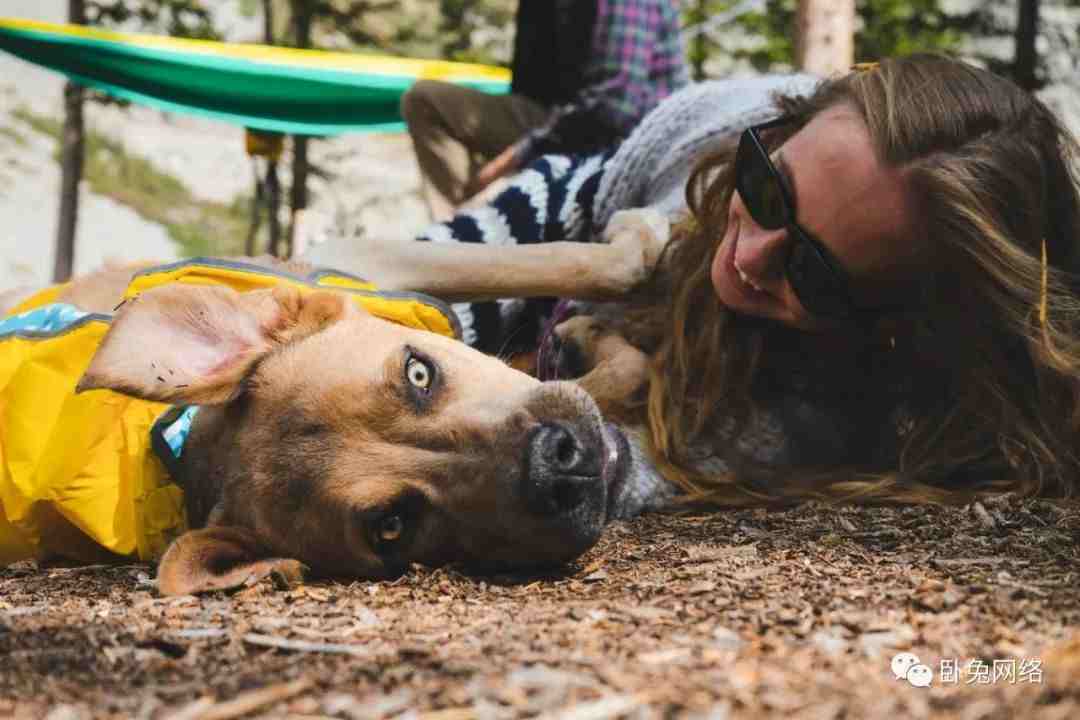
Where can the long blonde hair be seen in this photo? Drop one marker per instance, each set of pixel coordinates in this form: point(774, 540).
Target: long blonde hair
point(982, 391)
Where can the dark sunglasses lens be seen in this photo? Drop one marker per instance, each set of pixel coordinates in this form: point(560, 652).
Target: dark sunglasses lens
point(815, 283)
point(758, 185)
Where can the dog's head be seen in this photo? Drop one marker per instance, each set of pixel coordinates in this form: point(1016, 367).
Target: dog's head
point(354, 445)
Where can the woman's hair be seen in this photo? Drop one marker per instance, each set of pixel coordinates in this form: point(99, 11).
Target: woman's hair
point(981, 388)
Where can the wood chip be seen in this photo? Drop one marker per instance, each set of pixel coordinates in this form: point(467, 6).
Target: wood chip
point(193, 710)
point(27, 610)
point(607, 707)
point(984, 518)
point(199, 633)
point(712, 553)
point(664, 657)
point(255, 699)
point(81, 569)
point(647, 613)
point(462, 713)
point(305, 646)
point(947, 562)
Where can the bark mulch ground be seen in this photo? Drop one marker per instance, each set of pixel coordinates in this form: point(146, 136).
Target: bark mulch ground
point(793, 614)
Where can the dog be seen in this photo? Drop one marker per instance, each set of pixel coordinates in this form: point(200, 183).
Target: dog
point(333, 441)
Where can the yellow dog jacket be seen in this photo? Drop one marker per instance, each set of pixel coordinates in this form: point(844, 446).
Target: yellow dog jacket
point(79, 474)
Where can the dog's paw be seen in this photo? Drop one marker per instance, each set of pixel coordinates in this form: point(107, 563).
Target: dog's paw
point(645, 219)
point(576, 341)
point(641, 235)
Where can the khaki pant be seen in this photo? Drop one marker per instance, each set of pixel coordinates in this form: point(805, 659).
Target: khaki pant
point(455, 130)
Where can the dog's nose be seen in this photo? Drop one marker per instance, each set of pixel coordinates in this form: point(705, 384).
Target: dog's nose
point(563, 470)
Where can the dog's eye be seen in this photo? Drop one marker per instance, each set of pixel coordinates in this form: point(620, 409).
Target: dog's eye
point(389, 531)
point(391, 528)
point(419, 373)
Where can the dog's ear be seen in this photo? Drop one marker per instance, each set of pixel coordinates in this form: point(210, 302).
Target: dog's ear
point(196, 343)
point(219, 558)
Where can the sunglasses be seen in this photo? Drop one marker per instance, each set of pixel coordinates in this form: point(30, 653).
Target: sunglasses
point(819, 281)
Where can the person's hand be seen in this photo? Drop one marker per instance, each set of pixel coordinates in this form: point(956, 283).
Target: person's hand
point(504, 163)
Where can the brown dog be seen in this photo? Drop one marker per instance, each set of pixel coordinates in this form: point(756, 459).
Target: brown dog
point(332, 439)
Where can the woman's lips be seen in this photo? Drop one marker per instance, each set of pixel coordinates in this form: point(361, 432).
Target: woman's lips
point(747, 279)
point(734, 292)
point(749, 289)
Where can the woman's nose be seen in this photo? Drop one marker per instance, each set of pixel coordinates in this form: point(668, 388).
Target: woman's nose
point(760, 252)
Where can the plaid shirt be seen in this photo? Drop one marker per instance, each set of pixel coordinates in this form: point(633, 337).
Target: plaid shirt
point(637, 60)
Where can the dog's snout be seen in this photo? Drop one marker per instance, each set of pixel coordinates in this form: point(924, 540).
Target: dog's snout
point(563, 469)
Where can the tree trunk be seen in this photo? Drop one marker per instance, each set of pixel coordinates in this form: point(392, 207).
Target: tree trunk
point(699, 51)
point(825, 36)
point(298, 200)
point(273, 202)
point(71, 160)
point(257, 202)
point(1027, 31)
point(298, 194)
point(268, 21)
point(273, 188)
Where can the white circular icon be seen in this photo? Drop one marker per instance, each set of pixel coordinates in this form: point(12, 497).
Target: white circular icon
point(906, 666)
point(920, 675)
point(902, 662)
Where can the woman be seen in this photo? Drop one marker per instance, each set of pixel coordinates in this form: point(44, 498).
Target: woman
point(874, 295)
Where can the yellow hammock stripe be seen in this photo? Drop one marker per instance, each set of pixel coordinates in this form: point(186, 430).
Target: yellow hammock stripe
point(264, 87)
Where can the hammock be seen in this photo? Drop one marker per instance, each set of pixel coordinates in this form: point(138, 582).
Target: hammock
point(308, 92)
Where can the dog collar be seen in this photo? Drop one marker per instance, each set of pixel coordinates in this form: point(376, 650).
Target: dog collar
point(168, 435)
point(42, 321)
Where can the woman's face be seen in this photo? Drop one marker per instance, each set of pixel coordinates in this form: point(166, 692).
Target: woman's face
point(846, 199)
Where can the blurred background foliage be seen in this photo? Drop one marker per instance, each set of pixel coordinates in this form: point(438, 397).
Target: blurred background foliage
point(980, 30)
point(180, 18)
point(884, 27)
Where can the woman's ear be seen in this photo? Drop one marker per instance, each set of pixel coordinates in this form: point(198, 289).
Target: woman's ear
point(219, 558)
point(196, 343)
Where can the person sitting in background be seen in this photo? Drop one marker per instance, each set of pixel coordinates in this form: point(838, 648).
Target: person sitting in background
point(584, 73)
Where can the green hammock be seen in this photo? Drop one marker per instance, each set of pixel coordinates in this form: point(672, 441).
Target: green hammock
point(258, 86)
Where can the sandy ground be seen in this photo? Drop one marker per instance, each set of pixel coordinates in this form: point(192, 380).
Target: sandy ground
point(750, 614)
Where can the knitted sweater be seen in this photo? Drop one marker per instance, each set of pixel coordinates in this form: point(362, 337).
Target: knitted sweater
point(651, 168)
